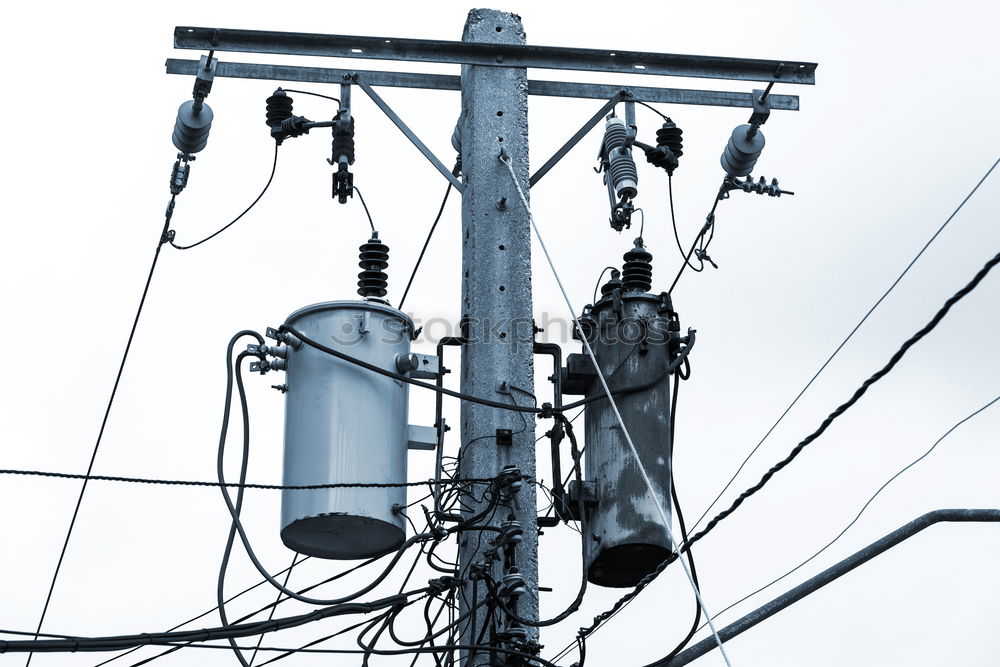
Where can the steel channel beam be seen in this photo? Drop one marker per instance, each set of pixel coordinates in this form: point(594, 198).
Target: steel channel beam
point(826, 576)
point(718, 98)
point(404, 128)
point(502, 55)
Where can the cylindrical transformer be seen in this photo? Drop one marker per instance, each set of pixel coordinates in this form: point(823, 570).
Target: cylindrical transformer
point(345, 424)
point(633, 335)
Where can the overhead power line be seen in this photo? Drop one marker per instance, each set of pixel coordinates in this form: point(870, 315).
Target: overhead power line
point(107, 412)
point(628, 597)
point(839, 347)
point(878, 375)
point(237, 485)
point(864, 507)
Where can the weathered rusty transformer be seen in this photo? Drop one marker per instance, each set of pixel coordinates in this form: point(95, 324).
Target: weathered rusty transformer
point(635, 337)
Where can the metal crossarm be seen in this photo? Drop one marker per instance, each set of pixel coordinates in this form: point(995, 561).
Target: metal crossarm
point(488, 54)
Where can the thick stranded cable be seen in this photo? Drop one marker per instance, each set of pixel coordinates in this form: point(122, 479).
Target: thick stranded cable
point(844, 342)
point(230, 365)
point(819, 431)
point(238, 524)
point(107, 412)
point(120, 642)
point(274, 167)
point(607, 391)
point(878, 375)
point(862, 510)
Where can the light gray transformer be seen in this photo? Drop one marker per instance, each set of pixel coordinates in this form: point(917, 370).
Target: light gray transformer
point(345, 424)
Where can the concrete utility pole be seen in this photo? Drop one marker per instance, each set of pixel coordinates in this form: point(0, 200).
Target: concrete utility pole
point(496, 298)
point(497, 355)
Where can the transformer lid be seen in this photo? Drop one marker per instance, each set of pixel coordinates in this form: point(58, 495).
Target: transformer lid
point(371, 305)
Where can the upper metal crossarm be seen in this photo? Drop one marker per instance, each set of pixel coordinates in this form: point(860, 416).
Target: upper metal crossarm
point(503, 55)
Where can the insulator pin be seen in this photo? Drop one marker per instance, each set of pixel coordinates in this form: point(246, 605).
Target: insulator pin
point(374, 255)
point(742, 151)
point(669, 144)
point(637, 272)
point(279, 107)
point(194, 120)
point(613, 284)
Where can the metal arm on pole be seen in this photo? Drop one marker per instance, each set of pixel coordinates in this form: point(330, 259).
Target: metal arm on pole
point(830, 574)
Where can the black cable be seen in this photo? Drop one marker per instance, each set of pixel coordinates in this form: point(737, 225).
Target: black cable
point(120, 642)
point(306, 92)
point(860, 512)
point(242, 533)
point(625, 599)
point(402, 378)
point(673, 221)
point(651, 108)
point(305, 647)
point(206, 613)
point(684, 536)
point(599, 279)
point(575, 604)
point(857, 395)
point(237, 485)
point(274, 607)
point(455, 172)
point(844, 342)
point(699, 242)
point(274, 168)
point(107, 412)
point(363, 204)
point(231, 368)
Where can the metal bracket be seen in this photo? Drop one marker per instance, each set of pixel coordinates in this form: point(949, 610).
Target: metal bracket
point(421, 437)
point(575, 139)
point(409, 133)
point(579, 491)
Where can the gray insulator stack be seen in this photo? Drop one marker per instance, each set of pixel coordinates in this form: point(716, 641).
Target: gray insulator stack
point(742, 151)
point(622, 172)
point(194, 120)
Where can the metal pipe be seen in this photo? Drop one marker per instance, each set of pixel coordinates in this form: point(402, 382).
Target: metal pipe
point(826, 576)
point(555, 352)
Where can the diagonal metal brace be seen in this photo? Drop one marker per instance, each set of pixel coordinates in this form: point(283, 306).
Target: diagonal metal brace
point(409, 133)
point(575, 139)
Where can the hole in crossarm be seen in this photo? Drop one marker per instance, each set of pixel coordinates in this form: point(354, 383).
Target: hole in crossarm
point(502, 288)
point(639, 67)
point(499, 29)
point(502, 246)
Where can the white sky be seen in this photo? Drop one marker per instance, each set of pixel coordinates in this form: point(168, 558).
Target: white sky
point(901, 124)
